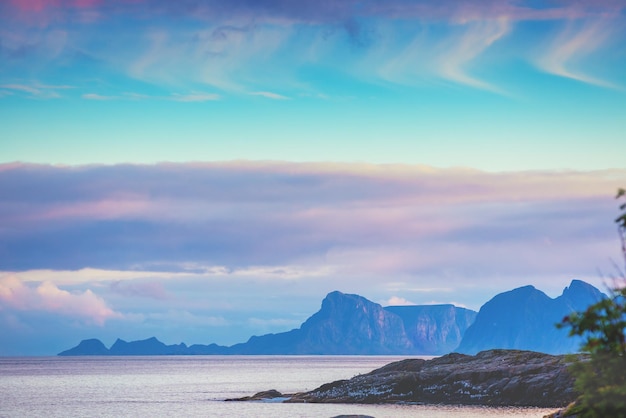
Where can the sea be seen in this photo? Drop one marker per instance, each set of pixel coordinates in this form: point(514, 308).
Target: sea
point(197, 386)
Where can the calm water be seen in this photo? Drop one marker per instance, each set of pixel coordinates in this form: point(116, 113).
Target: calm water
point(194, 386)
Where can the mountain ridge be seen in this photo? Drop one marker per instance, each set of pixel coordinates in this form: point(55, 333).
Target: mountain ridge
point(345, 324)
point(522, 318)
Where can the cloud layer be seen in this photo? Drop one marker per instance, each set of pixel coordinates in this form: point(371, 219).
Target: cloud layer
point(239, 216)
point(167, 249)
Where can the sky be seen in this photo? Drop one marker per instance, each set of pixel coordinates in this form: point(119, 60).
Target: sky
point(204, 171)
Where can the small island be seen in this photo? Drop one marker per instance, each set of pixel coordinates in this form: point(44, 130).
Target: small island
point(490, 378)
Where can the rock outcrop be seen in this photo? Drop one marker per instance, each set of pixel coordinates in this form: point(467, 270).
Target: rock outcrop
point(493, 378)
point(271, 394)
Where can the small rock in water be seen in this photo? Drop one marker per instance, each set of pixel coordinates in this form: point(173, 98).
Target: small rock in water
point(261, 396)
point(353, 416)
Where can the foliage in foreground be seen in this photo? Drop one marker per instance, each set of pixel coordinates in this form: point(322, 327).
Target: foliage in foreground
point(602, 379)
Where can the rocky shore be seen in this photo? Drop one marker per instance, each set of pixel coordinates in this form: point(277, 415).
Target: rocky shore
point(493, 378)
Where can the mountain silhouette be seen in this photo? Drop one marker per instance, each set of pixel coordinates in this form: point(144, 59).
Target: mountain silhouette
point(523, 318)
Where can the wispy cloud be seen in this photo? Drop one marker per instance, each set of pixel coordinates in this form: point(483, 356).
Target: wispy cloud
point(242, 46)
point(452, 64)
point(91, 275)
point(97, 97)
point(454, 53)
point(152, 290)
point(194, 97)
point(226, 57)
point(269, 95)
point(149, 279)
point(575, 42)
point(39, 91)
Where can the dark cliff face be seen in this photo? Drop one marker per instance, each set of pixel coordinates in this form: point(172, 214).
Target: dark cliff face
point(525, 319)
point(351, 324)
point(434, 329)
point(345, 324)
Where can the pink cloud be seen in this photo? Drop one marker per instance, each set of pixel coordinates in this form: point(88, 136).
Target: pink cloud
point(320, 12)
point(99, 209)
point(41, 13)
point(34, 5)
point(48, 297)
point(37, 6)
point(397, 301)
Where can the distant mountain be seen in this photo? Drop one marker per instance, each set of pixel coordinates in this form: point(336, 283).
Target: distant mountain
point(522, 318)
point(525, 319)
point(151, 345)
point(148, 347)
point(345, 324)
point(92, 347)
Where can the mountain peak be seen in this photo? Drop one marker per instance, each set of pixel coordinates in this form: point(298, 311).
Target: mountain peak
point(351, 324)
point(577, 287)
point(579, 295)
point(336, 296)
point(90, 347)
point(524, 289)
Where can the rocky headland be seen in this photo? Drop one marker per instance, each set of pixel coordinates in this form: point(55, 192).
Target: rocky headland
point(492, 378)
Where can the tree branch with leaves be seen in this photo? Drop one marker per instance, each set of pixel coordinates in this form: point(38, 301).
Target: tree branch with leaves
point(601, 380)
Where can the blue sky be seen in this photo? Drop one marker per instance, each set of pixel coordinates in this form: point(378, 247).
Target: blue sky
point(405, 81)
point(204, 170)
